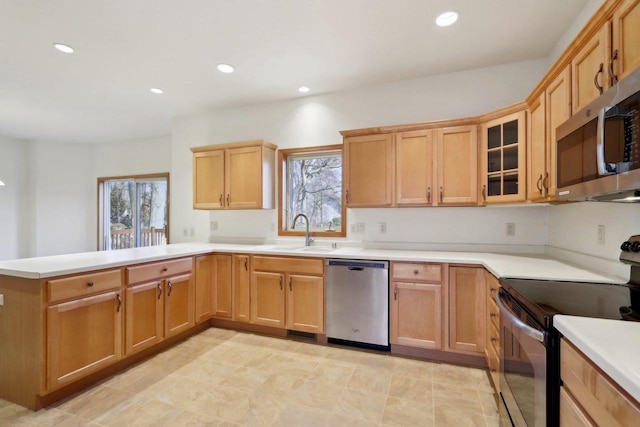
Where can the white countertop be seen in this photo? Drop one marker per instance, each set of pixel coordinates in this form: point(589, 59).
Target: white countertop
point(501, 265)
point(613, 345)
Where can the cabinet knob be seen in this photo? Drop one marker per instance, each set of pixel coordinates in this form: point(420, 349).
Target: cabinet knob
point(165, 269)
point(89, 284)
point(415, 271)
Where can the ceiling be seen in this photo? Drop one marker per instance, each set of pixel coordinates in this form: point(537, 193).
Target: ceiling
point(125, 47)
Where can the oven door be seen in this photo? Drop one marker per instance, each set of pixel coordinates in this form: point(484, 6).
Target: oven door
point(523, 366)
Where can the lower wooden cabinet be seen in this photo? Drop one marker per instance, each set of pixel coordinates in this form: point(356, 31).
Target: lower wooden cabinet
point(288, 293)
point(178, 312)
point(571, 414)
point(83, 336)
point(416, 315)
point(467, 300)
point(492, 345)
point(144, 316)
point(203, 288)
point(222, 293)
point(241, 284)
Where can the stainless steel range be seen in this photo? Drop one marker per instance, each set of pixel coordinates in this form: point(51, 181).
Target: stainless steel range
point(530, 354)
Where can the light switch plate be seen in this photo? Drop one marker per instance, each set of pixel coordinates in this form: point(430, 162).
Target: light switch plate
point(1, 299)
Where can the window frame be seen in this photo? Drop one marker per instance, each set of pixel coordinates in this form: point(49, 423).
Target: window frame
point(283, 156)
point(100, 193)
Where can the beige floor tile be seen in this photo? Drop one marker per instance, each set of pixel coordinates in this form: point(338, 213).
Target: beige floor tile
point(245, 379)
point(259, 410)
point(281, 384)
point(488, 402)
point(139, 411)
point(218, 402)
point(301, 366)
point(492, 421)
point(209, 371)
point(337, 420)
point(94, 402)
point(311, 349)
point(266, 360)
point(413, 368)
point(175, 390)
point(371, 380)
point(11, 413)
point(237, 355)
point(411, 388)
point(451, 417)
point(360, 404)
point(329, 373)
point(346, 357)
point(316, 395)
point(461, 376)
point(377, 361)
point(194, 419)
point(404, 412)
point(295, 416)
point(463, 399)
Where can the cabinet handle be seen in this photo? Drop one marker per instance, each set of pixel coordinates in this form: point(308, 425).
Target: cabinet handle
point(347, 196)
point(221, 199)
point(539, 184)
point(428, 194)
point(280, 282)
point(228, 197)
point(290, 286)
point(484, 192)
point(493, 289)
point(595, 79)
point(159, 290)
point(493, 339)
point(90, 284)
point(545, 181)
point(395, 292)
point(246, 264)
point(441, 191)
point(614, 57)
point(170, 288)
point(119, 299)
point(492, 314)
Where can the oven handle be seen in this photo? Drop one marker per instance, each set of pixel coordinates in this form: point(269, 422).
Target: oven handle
point(533, 333)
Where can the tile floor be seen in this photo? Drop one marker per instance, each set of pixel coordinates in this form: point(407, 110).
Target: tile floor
point(227, 378)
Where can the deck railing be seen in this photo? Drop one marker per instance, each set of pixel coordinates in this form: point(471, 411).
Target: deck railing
point(122, 239)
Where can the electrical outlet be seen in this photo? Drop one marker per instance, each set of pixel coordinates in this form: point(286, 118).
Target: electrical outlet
point(382, 227)
point(273, 226)
point(601, 234)
point(185, 232)
point(511, 229)
point(353, 228)
point(192, 232)
point(1, 300)
point(360, 227)
point(214, 225)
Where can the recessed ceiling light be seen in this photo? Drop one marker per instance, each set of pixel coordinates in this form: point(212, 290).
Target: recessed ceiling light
point(303, 89)
point(63, 47)
point(225, 68)
point(447, 18)
point(157, 91)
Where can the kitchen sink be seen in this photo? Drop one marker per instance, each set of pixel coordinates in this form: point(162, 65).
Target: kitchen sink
point(315, 249)
point(286, 248)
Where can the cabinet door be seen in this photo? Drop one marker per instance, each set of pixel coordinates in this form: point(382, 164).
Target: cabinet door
point(537, 149)
point(626, 38)
point(204, 288)
point(558, 106)
point(83, 336)
point(144, 316)
point(414, 168)
point(241, 284)
point(305, 303)
point(589, 69)
point(178, 309)
point(457, 149)
point(244, 178)
point(571, 414)
point(222, 296)
point(267, 299)
point(503, 159)
point(467, 322)
point(368, 169)
point(416, 315)
point(208, 180)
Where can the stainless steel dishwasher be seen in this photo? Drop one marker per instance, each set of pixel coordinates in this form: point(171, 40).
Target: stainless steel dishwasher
point(357, 302)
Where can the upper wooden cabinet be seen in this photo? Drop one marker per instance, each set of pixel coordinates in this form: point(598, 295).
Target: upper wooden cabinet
point(234, 176)
point(457, 164)
point(589, 68)
point(415, 155)
point(368, 170)
point(503, 159)
point(626, 39)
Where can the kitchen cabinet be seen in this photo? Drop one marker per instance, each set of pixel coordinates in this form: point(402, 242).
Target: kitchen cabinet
point(414, 168)
point(203, 288)
point(418, 303)
point(492, 345)
point(467, 301)
point(368, 170)
point(222, 289)
point(589, 74)
point(457, 165)
point(241, 285)
point(83, 334)
point(546, 113)
point(590, 396)
point(288, 293)
point(626, 39)
point(160, 302)
point(503, 159)
point(234, 176)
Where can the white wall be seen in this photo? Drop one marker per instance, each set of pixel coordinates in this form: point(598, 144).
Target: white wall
point(14, 202)
point(576, 26)
point(317, 120)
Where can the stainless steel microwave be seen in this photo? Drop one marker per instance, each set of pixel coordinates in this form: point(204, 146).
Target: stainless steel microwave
point(598, 149)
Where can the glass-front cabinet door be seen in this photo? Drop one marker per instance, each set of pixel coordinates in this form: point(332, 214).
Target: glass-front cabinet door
point(503, 159)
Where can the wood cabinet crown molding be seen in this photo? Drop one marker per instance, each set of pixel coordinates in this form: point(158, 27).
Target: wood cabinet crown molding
point(239, 144)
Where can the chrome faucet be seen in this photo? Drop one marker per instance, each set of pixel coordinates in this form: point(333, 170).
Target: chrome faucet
point(307, 239)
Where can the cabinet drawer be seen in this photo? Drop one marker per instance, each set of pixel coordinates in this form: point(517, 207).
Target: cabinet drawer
point(417, 271)
point(602, 399)
point(494, 313)
point(81, 285)
point(289, 265)
point(571, 414)
point(158, 270)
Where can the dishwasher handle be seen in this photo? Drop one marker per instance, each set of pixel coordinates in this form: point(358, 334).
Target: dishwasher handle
point(355, 268)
